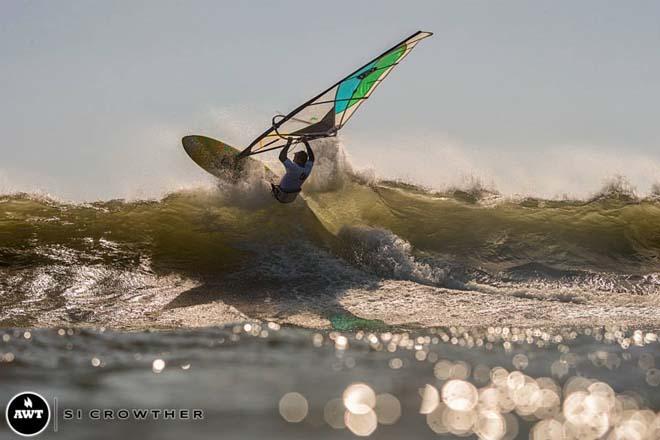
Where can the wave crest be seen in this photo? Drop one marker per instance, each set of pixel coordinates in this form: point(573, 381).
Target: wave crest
point(386, 254)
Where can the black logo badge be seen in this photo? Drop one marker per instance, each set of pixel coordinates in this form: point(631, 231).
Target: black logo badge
point(27, 414)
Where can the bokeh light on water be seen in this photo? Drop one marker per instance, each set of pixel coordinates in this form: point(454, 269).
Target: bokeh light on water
point(359, 398)
point(459, 395)
point(430, 399)
point(388, 409)
point(293, 407)
point(494, 384)
point(493, 403)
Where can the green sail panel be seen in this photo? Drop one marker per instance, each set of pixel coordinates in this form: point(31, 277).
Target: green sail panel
point(353, 89)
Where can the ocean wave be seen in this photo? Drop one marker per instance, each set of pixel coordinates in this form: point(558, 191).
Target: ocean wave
point(94, 261)
point(611, 232)
point(381, 252)
point(615, 189)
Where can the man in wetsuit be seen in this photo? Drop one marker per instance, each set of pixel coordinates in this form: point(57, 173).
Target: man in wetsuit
point(297, 171)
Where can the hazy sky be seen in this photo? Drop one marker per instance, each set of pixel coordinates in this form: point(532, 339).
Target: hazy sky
point(534, 96)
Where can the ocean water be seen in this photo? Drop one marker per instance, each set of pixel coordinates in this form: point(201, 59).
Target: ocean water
point(259, 379)
point(387, 309)
point(378, 250)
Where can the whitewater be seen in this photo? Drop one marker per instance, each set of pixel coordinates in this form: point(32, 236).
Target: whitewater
point(355, 248)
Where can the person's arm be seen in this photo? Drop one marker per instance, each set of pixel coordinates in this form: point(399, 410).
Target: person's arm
point(310, 153)
point(285, 151)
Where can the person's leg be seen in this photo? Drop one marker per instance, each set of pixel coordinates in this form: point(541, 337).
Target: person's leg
point(275, 191)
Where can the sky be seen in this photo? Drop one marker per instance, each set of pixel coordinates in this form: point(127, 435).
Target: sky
point(546, 98)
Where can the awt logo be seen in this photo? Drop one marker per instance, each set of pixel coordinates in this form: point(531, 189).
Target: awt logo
point(27, 414)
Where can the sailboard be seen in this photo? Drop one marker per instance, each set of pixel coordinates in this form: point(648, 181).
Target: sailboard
point(326, 113)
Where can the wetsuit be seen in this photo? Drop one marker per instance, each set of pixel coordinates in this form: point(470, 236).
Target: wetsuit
point(295, 176)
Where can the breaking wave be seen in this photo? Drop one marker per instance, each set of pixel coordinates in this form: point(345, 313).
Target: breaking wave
point(93, 262)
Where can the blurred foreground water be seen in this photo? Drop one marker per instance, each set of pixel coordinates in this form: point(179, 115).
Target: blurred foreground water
point(257, 380)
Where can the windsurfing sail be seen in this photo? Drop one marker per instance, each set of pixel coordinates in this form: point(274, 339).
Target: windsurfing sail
point(326, 113)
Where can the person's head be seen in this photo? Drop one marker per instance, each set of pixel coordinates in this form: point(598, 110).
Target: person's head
point(300, 158)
